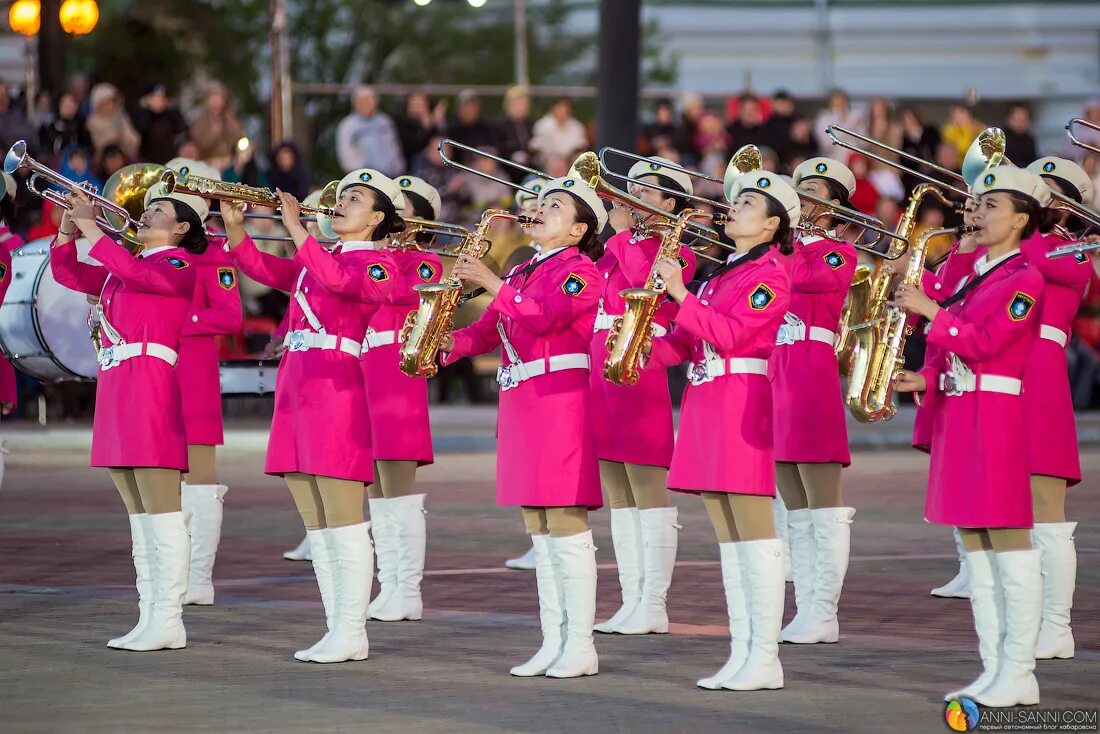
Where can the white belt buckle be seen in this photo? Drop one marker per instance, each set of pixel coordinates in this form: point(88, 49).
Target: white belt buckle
point(698, 373)
point(785, 335)
point(107, 358)
point(296, 341)
point(950, 384)
point(504, 378)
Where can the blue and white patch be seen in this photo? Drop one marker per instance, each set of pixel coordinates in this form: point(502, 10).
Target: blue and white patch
point(405, 182)
point(175, 262)
point(377, 273)
point(184, 170)
point(655, 166)
point(763, 182)
point(989, 179)
point(425, 271)
point(834, 260)
point(761, 297)
point(227, 278)
point(365, 177)
point(1020, 306)
point(568, 183)
point(1081, 257)
point(1048, 166)
point(821, 168)
point(574, 285)
point(3, 271)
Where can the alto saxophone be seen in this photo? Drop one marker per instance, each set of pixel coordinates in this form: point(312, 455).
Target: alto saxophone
point(425, 328)
point(870, 391)
point(632, 333)
point(857, 305)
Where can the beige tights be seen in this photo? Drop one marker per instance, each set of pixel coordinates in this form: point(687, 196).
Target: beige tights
point(634, 485)
point(200, 462)
point(1048, 498)
point(995, 539)
point(393, 479)
point(152, 490)
point(812, 486)
point(558, 522)
point(738, 517)
point(326, 502)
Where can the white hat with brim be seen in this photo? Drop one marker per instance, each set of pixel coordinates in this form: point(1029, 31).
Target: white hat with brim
point(585, 193)
point(191, 167)
point(1067, 173)
point(373, 179)
point(536, 184)
point(1013, 180)
point(197, 204)
point(658, 166)
point(770, 185)
point(828, 169)
point(420, 187)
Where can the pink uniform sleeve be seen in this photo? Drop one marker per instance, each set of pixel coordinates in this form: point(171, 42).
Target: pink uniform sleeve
point(729, 331)
point(426, 269)
point(280, 273)
point(218, 302)
point(365, 283)
point(1071, 271)
point(825, 271)
point(477, 338)
point(981, 341)
point(556, 310)
point(173, 276)
point(670, 350)
point(73, 274)
point(957, 266)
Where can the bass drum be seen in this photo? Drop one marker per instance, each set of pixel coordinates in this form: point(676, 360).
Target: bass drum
point(44, 325)
point(248, 377)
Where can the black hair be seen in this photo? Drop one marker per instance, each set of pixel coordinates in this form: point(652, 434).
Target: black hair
point(1038, 218)
point(669, 183)
point(194, 239)
point(422, 209)
point(391, 223)
point(784, 235)
point(589, 243)
point(1073, 222)
point(8, 207)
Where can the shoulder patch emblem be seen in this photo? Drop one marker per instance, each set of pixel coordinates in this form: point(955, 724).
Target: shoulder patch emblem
point(1081, 258)
point(1020, 306)
point(377, 273)
point(3, 271)
point(574, 285)
point(761, 296)
point(682, 260)
point(227, 278)
point(175, 262)
point(425, 271)
point(834, 260)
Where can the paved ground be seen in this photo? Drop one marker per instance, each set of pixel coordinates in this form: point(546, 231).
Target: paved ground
point(66, 587)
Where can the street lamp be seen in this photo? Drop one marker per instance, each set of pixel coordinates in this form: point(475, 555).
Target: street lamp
point(78, 16)
point(476, 3)
point(25, 17)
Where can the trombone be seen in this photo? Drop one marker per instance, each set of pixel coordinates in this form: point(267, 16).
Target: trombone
point(482, 154)
point(118, 223)
point(1077, 141)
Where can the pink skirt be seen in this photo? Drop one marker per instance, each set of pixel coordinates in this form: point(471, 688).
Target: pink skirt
point(725, 438)
point(400, 428)
point(200, 384)
point(1048, 412)
point(139, 417)
point(810, 416)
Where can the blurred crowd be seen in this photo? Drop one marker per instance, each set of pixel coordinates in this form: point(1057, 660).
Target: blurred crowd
point(88, 132)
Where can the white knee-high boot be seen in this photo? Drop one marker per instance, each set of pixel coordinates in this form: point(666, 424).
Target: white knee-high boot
point(202, 509)
point(576, 562)
point(173, 552)
point(144, 554)
point(803, 550)
point(1022, 580)
point(958, 587)
point(351, 550)
point(551, 616)
point(832, 541)
point(408, 534)
point(660, 537)
point(737, 609)
point(300, 552)
point(324, 568)
point(1059, 562)
point(764, 566)
point(779, 517)
point(526, 562)
point(987, 604)
point(626, 536)
point(385, 551)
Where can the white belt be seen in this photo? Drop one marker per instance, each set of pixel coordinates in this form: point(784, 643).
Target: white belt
point(794, 330)
point(378, 339)
point(302, 341)
point(604, 322)
point(509, 376)
point(114, 355)
point(1057, 336)
point(705, 371)
point(952, 384)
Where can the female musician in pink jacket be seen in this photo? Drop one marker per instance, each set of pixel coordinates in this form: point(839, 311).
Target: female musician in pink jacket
point(320, 434)
point(724, 445)
point(216, 310)
point(982, 337)
point(400, 430)
point(634, 422)
point(9, 243)
point(1053, 455)
point(542, 316)
point(138, 433)
point(811, 434)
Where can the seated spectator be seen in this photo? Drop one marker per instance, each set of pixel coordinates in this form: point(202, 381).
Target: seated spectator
point(109, 124)
point(517, 129)
point(749, 125)
point(1019, 140)
point(663, 131)
point(160, 124)
point(961, 129)
point(776, 132)
point(215, 130)
point(76, 165)
point(418, 125)
point(287, 171)
point(866, 196)
point(66, 128)
point(469, 127)
point(111, 159)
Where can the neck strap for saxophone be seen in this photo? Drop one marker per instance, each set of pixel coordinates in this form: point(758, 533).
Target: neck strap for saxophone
point(972, 284)
point(529, 267)
point(754, 254)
